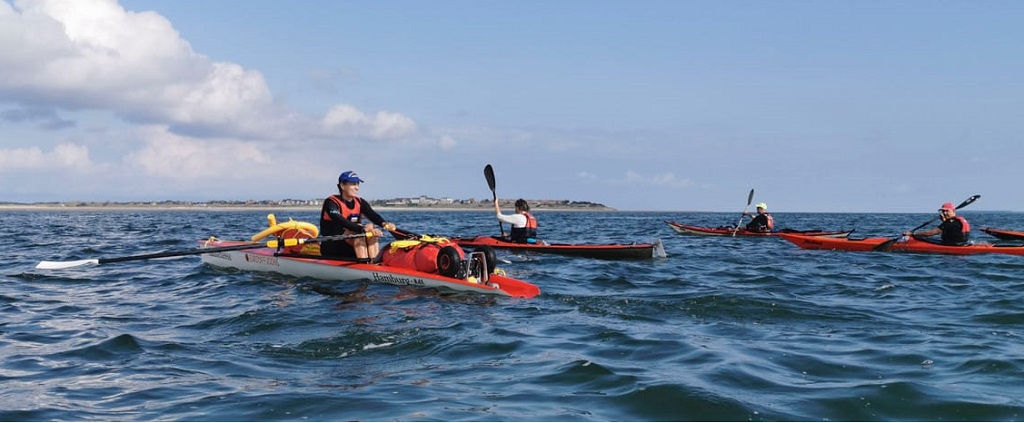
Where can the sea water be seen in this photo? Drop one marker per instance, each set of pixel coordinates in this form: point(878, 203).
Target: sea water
point(722, 329)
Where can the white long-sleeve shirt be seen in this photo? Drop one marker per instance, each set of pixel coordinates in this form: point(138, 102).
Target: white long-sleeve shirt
point(516, 220)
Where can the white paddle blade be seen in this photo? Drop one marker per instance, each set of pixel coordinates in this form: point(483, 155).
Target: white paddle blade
point(659, 249)
point(65, 264)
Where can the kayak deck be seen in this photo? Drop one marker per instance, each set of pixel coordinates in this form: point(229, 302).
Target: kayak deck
point(1004, 234)
point(270, 260)
point(633, 251)
point(684, 229)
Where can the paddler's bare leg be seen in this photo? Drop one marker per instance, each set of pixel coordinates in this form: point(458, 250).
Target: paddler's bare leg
point(358, 245)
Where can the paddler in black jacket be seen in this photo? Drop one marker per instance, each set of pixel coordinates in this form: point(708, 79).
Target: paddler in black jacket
point(343, 214)
point(954, 229)
point(762, 221)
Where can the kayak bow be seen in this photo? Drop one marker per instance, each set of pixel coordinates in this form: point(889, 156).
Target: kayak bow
point(1004, 234)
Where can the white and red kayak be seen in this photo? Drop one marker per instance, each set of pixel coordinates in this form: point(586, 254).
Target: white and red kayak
point(262, 259)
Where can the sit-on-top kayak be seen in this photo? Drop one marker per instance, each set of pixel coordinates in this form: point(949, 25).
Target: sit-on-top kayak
point(904, 244)
point(1004, 234)
point(271, 260)
point(598, 251)
point(728, 231)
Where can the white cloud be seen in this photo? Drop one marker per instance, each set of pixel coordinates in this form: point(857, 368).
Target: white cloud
point(168, 155)
point(448, 142)
point(345, 120)
point(64, 156)
point(667, 179)
point(94, 54)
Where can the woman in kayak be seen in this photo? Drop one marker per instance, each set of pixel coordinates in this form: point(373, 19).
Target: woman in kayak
point(524, 225)
point(954, 229)
point(343, 214)
point(762, 221)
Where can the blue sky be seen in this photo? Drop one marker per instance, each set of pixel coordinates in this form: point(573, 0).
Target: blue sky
point(835, 106)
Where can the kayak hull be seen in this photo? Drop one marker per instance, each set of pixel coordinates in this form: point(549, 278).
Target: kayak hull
point(597, 251)
point(1004, 234)
point(907, 245)
point(267, 260)
point(728, 231)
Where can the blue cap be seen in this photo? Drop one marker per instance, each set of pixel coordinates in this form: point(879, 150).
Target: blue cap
point(350, 177)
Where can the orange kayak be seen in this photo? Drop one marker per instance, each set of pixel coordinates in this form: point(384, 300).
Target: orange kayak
point(1004, 234)
point(904, 244)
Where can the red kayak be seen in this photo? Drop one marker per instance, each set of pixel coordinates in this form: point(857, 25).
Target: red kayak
point(904, 244)
point(1004, 234)
point(728, 231)
point(598, 251)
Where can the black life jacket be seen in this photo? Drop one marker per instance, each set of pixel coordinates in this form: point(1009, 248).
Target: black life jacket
point(524, 234)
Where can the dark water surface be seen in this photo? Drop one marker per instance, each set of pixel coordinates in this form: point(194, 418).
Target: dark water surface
point(722, 329)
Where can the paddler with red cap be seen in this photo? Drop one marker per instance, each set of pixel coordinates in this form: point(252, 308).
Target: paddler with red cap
point(954, 229)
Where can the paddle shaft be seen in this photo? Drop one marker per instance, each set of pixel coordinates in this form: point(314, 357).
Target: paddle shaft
point(179, 253)
point(246, 246)
point(750, 198)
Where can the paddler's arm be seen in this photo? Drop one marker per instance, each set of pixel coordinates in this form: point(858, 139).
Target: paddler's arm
point(373, 216)
point(501, 217)
point(923, 234)
point(515, 219)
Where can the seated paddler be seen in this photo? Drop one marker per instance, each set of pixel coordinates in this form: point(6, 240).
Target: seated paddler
point(524, 225)
point(344, 214)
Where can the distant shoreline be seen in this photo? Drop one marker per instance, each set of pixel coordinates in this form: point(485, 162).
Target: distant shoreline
point(310, 208)
point(125, 207)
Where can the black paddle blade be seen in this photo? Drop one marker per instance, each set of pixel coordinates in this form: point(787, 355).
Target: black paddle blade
point(968, 201)
point(750, 197)
point(489, 174)
point(885, 245)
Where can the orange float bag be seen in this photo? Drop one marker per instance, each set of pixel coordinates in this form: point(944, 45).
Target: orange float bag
point(291, 230)
point(428, 255)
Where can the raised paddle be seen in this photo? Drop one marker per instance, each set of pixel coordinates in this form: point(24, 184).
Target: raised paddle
point(885, 245)
point(286, 242)
point(750, 198)
point(489, 174)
